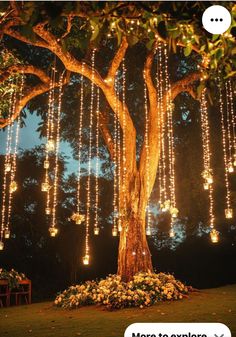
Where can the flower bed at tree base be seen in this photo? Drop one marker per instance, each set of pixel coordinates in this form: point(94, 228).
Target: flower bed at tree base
point(144, 290)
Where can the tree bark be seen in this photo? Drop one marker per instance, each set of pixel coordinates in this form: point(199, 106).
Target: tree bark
point(134, 254)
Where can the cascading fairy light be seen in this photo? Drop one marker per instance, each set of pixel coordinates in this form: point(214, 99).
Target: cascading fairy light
point(13, 183)
point(207, 173)
point(9, 183)
point(228, 209)
point(170, 133)
point(164, 202)
point(45, 185)
point(115, 181)
point(118, 148)
point(146, 141)
point(232, 119)
point(96, 226)
point(230, 127)
point(124, 167)
point(50, 142)
point(77, 216)
point(53, 230)
point(86, 257)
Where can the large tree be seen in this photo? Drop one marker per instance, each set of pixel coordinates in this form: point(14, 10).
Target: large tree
point(69, 31)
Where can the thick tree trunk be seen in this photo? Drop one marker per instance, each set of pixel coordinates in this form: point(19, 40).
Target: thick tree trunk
point(134, 254)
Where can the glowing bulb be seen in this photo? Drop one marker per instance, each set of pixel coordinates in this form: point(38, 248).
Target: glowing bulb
point(1, 245)
point(229, 213)
point(114, 231)
point(171, 233)
point(53, 231)
point(7, 234)
point(86, 260)
point(174, 212)
point(8, 167)
point(133, 253)
point(50, 145)
point(230, 167)
point(48, 210)
point(96, 231)
point(13, 186)
point(210, 180)
point(148, 231)
point(46, 164)
point(206, 186)
point(214, 234)
point(45, 187)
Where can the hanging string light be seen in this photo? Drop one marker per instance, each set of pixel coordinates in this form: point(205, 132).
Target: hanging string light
point(146, 142)
point(96, 227)
point(230, 129)
point(228, 209)
point(118, 149)
point(9, 182)
point(232, 119)
point(164, 201)
point(86, 257)
point(115, 181)
point(207, 173)
point(7, 168)
point(171, 154)
point(53, 230)
point(49, 146)
point(124, 167)
point(78, 217)
point(13, 183)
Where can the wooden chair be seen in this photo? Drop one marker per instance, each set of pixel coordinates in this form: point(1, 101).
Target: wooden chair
point(24, 290)
point(4, 293)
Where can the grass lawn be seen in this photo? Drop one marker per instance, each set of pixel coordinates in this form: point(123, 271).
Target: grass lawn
point(44, 320)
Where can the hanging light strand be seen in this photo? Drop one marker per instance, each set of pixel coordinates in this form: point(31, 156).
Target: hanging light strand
point(96, 227)
point(146, 142)
point(81, 115)
point(232, 118)
point(88, 202)
point(53, 229)
point(124, 167)
point(170, 133)
point(228, 210)
point(7, 166)
point(115, 170)
point(162, 125)
point(207, 173)
point(13, 184)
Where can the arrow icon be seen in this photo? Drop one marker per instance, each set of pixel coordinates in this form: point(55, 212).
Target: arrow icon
point(219, 336)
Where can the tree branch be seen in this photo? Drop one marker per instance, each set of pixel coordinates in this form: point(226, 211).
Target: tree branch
point(103, 118)
point(116, 62)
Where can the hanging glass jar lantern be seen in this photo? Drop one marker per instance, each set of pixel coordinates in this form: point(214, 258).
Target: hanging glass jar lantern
point(50, 145)
point(230, 167)
point(1, 245)
point(86, 260)
point(210, 179)
point(174, 212)
point(53, 231)
point(8, 167)
point(96, 231)
point(78, 218)
point(7, 233)
point(13, 186)
point(45, 187)
point(114, 231)
point(229, 213)
point(46, 164)
point(214, 235)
